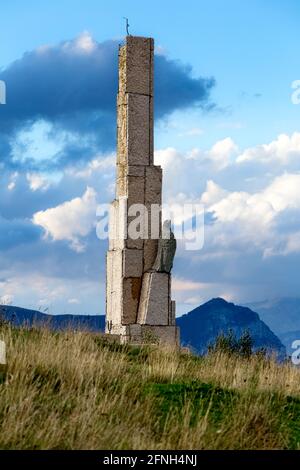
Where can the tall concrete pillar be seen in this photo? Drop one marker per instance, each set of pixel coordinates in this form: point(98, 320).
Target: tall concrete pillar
point(131, 279)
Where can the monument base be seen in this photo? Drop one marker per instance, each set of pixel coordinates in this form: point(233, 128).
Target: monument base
point(146, 334)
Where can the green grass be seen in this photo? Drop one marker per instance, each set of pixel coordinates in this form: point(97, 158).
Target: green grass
point(74, 390)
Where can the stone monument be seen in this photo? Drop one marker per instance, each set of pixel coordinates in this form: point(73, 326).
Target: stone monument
point(138, 272)
point(3, 364)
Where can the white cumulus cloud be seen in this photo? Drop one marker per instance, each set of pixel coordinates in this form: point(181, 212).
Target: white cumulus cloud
point(71, 221)
point(37, 181)
point(283, 150)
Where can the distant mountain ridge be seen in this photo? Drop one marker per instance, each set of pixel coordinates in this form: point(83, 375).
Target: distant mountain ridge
point(201, 326)
point(18, 316)
point(198, 328)
point(282, 315)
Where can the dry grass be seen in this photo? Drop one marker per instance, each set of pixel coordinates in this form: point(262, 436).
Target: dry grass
point(73, 391)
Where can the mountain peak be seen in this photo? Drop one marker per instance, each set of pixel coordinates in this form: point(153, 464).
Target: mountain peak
point(204, 324)
point(218, 301)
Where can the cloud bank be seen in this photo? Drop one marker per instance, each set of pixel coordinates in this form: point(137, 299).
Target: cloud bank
point(57, 133)
point(72, 87)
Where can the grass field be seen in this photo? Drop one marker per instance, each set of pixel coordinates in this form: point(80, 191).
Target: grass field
point(73, 390)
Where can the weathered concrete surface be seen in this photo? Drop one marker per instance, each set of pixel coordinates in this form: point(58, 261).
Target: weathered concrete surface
point(169, 335)
point(2, 353)
point(150, 253)
point(155, 299)
point(132, 263)
point(137, 296)
point(117, 225)
point(137, 66)
point(166, 250)
point(153, 187)
point(138, 144)
point(131, 295)
point(172, 319)
point(114, 276)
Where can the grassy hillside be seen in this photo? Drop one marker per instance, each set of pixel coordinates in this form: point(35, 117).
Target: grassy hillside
point(74, 391)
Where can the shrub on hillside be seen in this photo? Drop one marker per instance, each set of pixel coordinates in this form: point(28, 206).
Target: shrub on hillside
point(230, 344)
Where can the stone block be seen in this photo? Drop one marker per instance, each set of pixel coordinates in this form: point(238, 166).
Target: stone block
point(172, 320)
point(2, 353)
point(155, 299)
point(121, 99)
point(122, 70)
point(137, 244)
point(136, 170)
point(130, 170)
point(135, 329)
point(137, 224)
point(138, 130)
point(135, 333)
point(132, 263)
point(151, 131)
point(131, 295)
point(132, 187)
point(150, 253)
point(162, 334)
point(121, 187)
point(117, 225)
point(155, 221)
point(119, 330)
point(114, 267)
point(135, 190)
point(152, 67)
point(121, 171)
point(122, 126)
point(153, 188)
point(138, 65)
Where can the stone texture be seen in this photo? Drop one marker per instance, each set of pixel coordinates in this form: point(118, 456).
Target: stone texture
point(166, 249)
point(121, 187)
point(138, 299)
point(132, 263)
point(153, 185)
point(151, 67)
point(139, 69)
point(131, 295)
point(155, 216)
point(172, 320)
point(135, 333)
point(169, 335)
point(150, 252)
point(135, 170)
point(114, 286)
point(135, 190)
point(131, 244)
point(117, 225)
point(138, 133)
point(130, 170)
point(151, 129)
point(122, 70)
point(137, 222)
point(2, 353)
point(122, 134)
point(133, 130)
point(155, 299)
point(153, 236)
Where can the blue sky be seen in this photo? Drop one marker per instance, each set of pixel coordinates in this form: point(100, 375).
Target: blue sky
point(229, 68)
